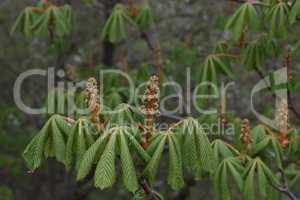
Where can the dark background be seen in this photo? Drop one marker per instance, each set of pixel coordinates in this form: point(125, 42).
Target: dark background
point(193, 26)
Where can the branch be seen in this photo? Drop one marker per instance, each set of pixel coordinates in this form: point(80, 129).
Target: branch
point(284, 187)
point(255, 2)
point(148, 191)
point(145, 36)
point(239, 1)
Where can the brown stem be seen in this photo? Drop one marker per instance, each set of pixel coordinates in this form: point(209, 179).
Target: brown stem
point(283, 188)
point(146, 37)
point(148, 191)
point(51, 33)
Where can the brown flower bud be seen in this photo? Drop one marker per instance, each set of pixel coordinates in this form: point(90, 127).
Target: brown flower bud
point(245, 134)
point(150, 107)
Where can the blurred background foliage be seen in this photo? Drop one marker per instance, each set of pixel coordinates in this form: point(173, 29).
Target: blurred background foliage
point(188, 30)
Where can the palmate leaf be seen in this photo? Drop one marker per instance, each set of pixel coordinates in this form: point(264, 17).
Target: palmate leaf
point(151, 169)
point(175, 175)
point(138, 148)
point(207, 160)
point(263, 142)
point(90, 156)
point(64, 127)
point(105, 173)
point(221, 150)
point(154, 142)
point(41, 25)
point(295, 12)
point(175, 172)
point(79, 140)
point(124, 114)
point(128, 170)
point(34, 152)
point(115, 29)
point(68, 16)
point(59, 143)
point(197, 153)
point(245, 16)
point(190, 153)
point(293, 172)
point(25, 21)
point(60, 20)
point(229, 166)
point(208, 73)
point(278, 19)
point(249, 191)
point(264, 176)
point(50, 141)
point(38, 20)
point(294, 146)
point(144, 18)
point(255, 53)
point(115, 141)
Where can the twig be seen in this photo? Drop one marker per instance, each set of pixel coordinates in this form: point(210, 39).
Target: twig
point(284, 188)
point(148, 191)
point(256, 2)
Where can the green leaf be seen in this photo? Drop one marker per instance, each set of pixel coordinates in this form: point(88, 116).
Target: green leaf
point(278, 152)
point(235, 167)
point(49, 141)
point(249, 192)
point(115, 29)
point(128, 170)
point(105, 174)
point(255, 53)
point(138, 148)
point(41, 25)
point(145, 18)
point(264, 176)
point(245, 16)
point(175, 174)
point(154, 142)
point(24, 22)
point(229, 166)
point(221, 150)
point(295, 12)
point(60, 22)
point(34, 152)
point(207, 159)
point(278, 19)
point(58, 142)
point(63, 126)
point(262, 181)
point(257, 148)
point(213, 64)
point(151, 168)
point(79, 140)
point(89, 158)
